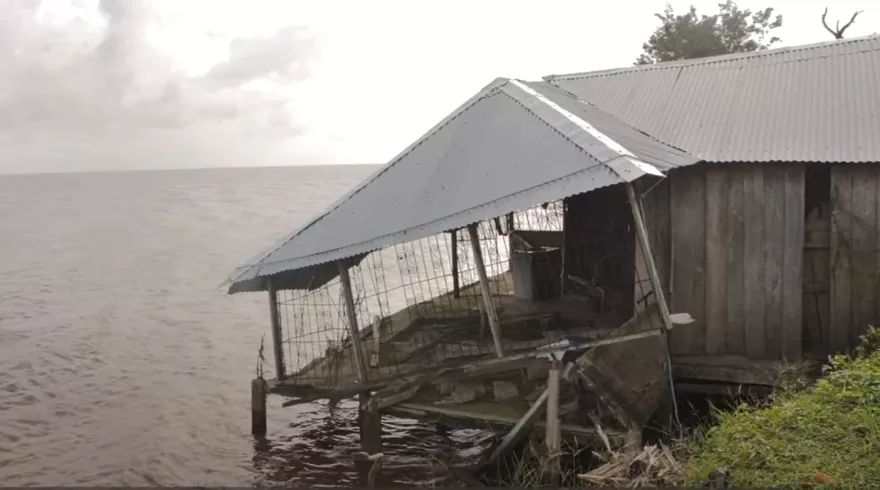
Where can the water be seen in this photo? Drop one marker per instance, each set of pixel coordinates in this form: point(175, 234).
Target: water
point(123, 361)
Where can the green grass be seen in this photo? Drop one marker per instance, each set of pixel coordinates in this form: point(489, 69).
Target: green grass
point(828, 433)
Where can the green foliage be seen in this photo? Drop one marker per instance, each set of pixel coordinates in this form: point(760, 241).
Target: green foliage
point(826, 434)
point(731, 30)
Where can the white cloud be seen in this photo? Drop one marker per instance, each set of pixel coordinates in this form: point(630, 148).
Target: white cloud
point(79, 95)
point(184, 83)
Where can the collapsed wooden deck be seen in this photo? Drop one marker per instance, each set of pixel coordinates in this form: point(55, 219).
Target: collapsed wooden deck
point(446, 367)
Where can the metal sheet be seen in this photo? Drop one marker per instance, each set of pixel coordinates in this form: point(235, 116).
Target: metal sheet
point(506, 149)
point(816, 103)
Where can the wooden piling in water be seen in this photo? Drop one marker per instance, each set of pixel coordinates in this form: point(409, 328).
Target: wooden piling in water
point(370, 424)
point(258, 407)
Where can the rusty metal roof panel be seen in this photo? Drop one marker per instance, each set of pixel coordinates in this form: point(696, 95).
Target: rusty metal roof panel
point(814, 103)
point(512, 146)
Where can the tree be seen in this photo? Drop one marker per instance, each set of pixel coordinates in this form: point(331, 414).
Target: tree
point(731, 30)
point(838, 31)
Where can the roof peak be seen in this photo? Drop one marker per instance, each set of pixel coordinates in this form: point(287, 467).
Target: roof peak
point(714, 59)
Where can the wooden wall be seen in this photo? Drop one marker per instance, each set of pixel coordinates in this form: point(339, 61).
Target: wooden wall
point(736, 235)
point(855, 242)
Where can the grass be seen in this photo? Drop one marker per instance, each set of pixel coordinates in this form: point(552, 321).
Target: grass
point(825, 434)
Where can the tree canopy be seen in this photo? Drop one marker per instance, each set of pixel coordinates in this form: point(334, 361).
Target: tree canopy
point(689, 35)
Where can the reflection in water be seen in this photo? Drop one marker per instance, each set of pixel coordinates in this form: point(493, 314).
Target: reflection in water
point(123, 361)
point(415, 453)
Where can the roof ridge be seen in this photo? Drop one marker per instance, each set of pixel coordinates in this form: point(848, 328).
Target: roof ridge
point(617, 119)
point(710, 59)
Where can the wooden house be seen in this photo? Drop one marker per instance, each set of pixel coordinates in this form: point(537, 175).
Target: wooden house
point(697, 220)
point(771, 241)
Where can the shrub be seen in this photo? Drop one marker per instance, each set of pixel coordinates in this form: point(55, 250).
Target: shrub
point(825, 434)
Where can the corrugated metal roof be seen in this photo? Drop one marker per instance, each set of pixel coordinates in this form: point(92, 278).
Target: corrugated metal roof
point(814, 103)
point(512, 146)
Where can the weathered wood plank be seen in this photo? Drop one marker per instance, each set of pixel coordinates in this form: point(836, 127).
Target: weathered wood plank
point(793, 264)
point(841, 235)
point(717, 194)
point(864, 244)
point(734, 334)
point(774, 236)
point(755, 296)
point(688, 206)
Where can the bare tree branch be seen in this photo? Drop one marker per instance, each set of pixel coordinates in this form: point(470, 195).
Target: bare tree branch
point(838, 31)
point(833, 33)
point(845, 27)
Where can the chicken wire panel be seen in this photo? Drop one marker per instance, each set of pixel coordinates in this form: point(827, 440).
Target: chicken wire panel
point(405, 293)
point(546, 217)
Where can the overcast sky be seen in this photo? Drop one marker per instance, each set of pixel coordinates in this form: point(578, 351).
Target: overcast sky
point(135, 84)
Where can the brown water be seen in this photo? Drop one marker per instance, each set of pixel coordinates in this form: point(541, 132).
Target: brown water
point(123, 361)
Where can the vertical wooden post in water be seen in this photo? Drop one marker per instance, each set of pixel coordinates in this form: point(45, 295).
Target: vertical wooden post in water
point(258, 407)
point(484, 287)
point(455, 287)
point(369, 419)
point(277, 333)
point(553, 437)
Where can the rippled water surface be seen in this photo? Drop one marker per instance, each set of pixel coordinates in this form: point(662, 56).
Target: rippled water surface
point(123, 361)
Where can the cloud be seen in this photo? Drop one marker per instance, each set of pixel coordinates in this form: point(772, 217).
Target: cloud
point(78, 94)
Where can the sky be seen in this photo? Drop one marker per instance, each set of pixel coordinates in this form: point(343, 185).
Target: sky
point(101, 85)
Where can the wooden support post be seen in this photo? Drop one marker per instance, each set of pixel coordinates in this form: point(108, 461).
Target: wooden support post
point(456, 292)
point(258, 407)
point(377, 341)
point(645, 244)
point(345, 281)
point(518, 430)
point(484, 287)
point(370, 424)
point(553, 437)
point(277, 332)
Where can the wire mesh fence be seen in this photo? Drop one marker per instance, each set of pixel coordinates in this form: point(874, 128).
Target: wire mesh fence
point(419, 304)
